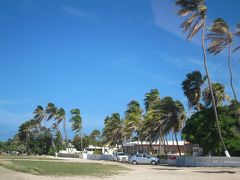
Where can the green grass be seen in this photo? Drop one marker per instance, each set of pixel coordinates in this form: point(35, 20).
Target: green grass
point(62, 168)
point(26, 157)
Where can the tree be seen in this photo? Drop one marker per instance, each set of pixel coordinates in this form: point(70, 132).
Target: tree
point(151, 116)
point(25, 133)
point(237, 33)
point(173, 116)
point(192, 89)
point(219, 95)
point(39, 116)
point(51, 111)
point(59, 117)
point(196, 12)
point(113, 130)
point(77, 123)
point(151, 98)
point(201, 129)
point(133, 119)
point(221, 37)
point(95, 134)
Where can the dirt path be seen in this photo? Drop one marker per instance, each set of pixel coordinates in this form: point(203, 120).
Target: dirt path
point(139, 172)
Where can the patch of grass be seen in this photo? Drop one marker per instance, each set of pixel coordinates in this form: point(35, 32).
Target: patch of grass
point(25, 157)
point(63, 168)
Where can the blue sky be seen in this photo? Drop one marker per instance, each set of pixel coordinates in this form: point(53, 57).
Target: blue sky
point(97, 56)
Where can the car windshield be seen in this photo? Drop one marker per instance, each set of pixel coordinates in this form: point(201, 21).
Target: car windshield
point(121, 153)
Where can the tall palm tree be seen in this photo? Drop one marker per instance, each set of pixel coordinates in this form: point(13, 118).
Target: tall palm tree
point(174, 114)
point(151, 98)
point(113, 131)
point(51, 112)
point(151, 117)
point(237, 33)
point(196, 12)
point(76, 120)
point(192, 89)
point(133, 118)
point(219, 94)
point(59, 117)
point(221, 37)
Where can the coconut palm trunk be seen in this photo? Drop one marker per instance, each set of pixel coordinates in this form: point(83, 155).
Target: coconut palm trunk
point(159, 145)
point(211, 90)
point(179, 151)
point(230, 72)
point(65, 131)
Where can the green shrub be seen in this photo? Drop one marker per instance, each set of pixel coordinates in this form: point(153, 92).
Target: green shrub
point(97, 151)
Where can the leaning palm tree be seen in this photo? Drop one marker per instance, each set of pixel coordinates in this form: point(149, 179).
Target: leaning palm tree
point(196, 12)
point(39, 116)
point(151, 98)
point(174, 114)
point(113, 132)
point(60, 116)
point(77, 123)
point(221, 37)
point(151, 121)
point(133, 118)
point(192, 89)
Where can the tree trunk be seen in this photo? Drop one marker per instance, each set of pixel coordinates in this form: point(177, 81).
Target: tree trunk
point(173, 144)
point(58, 131)
point(211, 90)
point(151, 146)
point(65, 131)
point(167, 146)
point(81, 137)
point(142, 146)
point(123, 147)
point(164, 146)
point(177, 144)
point(230, 72)
point(159, 145)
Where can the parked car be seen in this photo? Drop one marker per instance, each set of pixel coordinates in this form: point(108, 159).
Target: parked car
point(120, 156)
point(143, 159)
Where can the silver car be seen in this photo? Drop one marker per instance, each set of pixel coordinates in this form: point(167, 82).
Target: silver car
point(143, 159)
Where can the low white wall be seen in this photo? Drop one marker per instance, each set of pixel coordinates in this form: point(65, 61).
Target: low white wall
point(206, 161)
point(99, 156)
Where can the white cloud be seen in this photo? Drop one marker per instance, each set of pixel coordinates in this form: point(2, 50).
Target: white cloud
point(10, 102)
point(79, 13)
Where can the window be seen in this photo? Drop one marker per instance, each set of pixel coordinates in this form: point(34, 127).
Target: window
point(139, 155)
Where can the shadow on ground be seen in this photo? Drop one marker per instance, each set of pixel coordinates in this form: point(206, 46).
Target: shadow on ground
point(216, 172)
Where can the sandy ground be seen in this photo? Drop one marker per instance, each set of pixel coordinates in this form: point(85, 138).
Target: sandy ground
point(139, 172)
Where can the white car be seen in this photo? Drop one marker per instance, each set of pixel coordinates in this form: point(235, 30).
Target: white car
point(120, 156)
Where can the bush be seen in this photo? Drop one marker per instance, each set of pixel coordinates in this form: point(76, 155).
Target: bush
point(97, 151)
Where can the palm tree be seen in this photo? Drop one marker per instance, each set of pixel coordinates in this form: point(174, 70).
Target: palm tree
point(196, 12)
point(219, 94)
point(133, 118)
point(151, 98)
point(50, 112)
point(77, 123)
point(221, 37)
point(151, 117)
point(237, 33)
point(113, 130)
point(192, 89)
point(174, 116)
point(59, 117)
point(39, 116)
